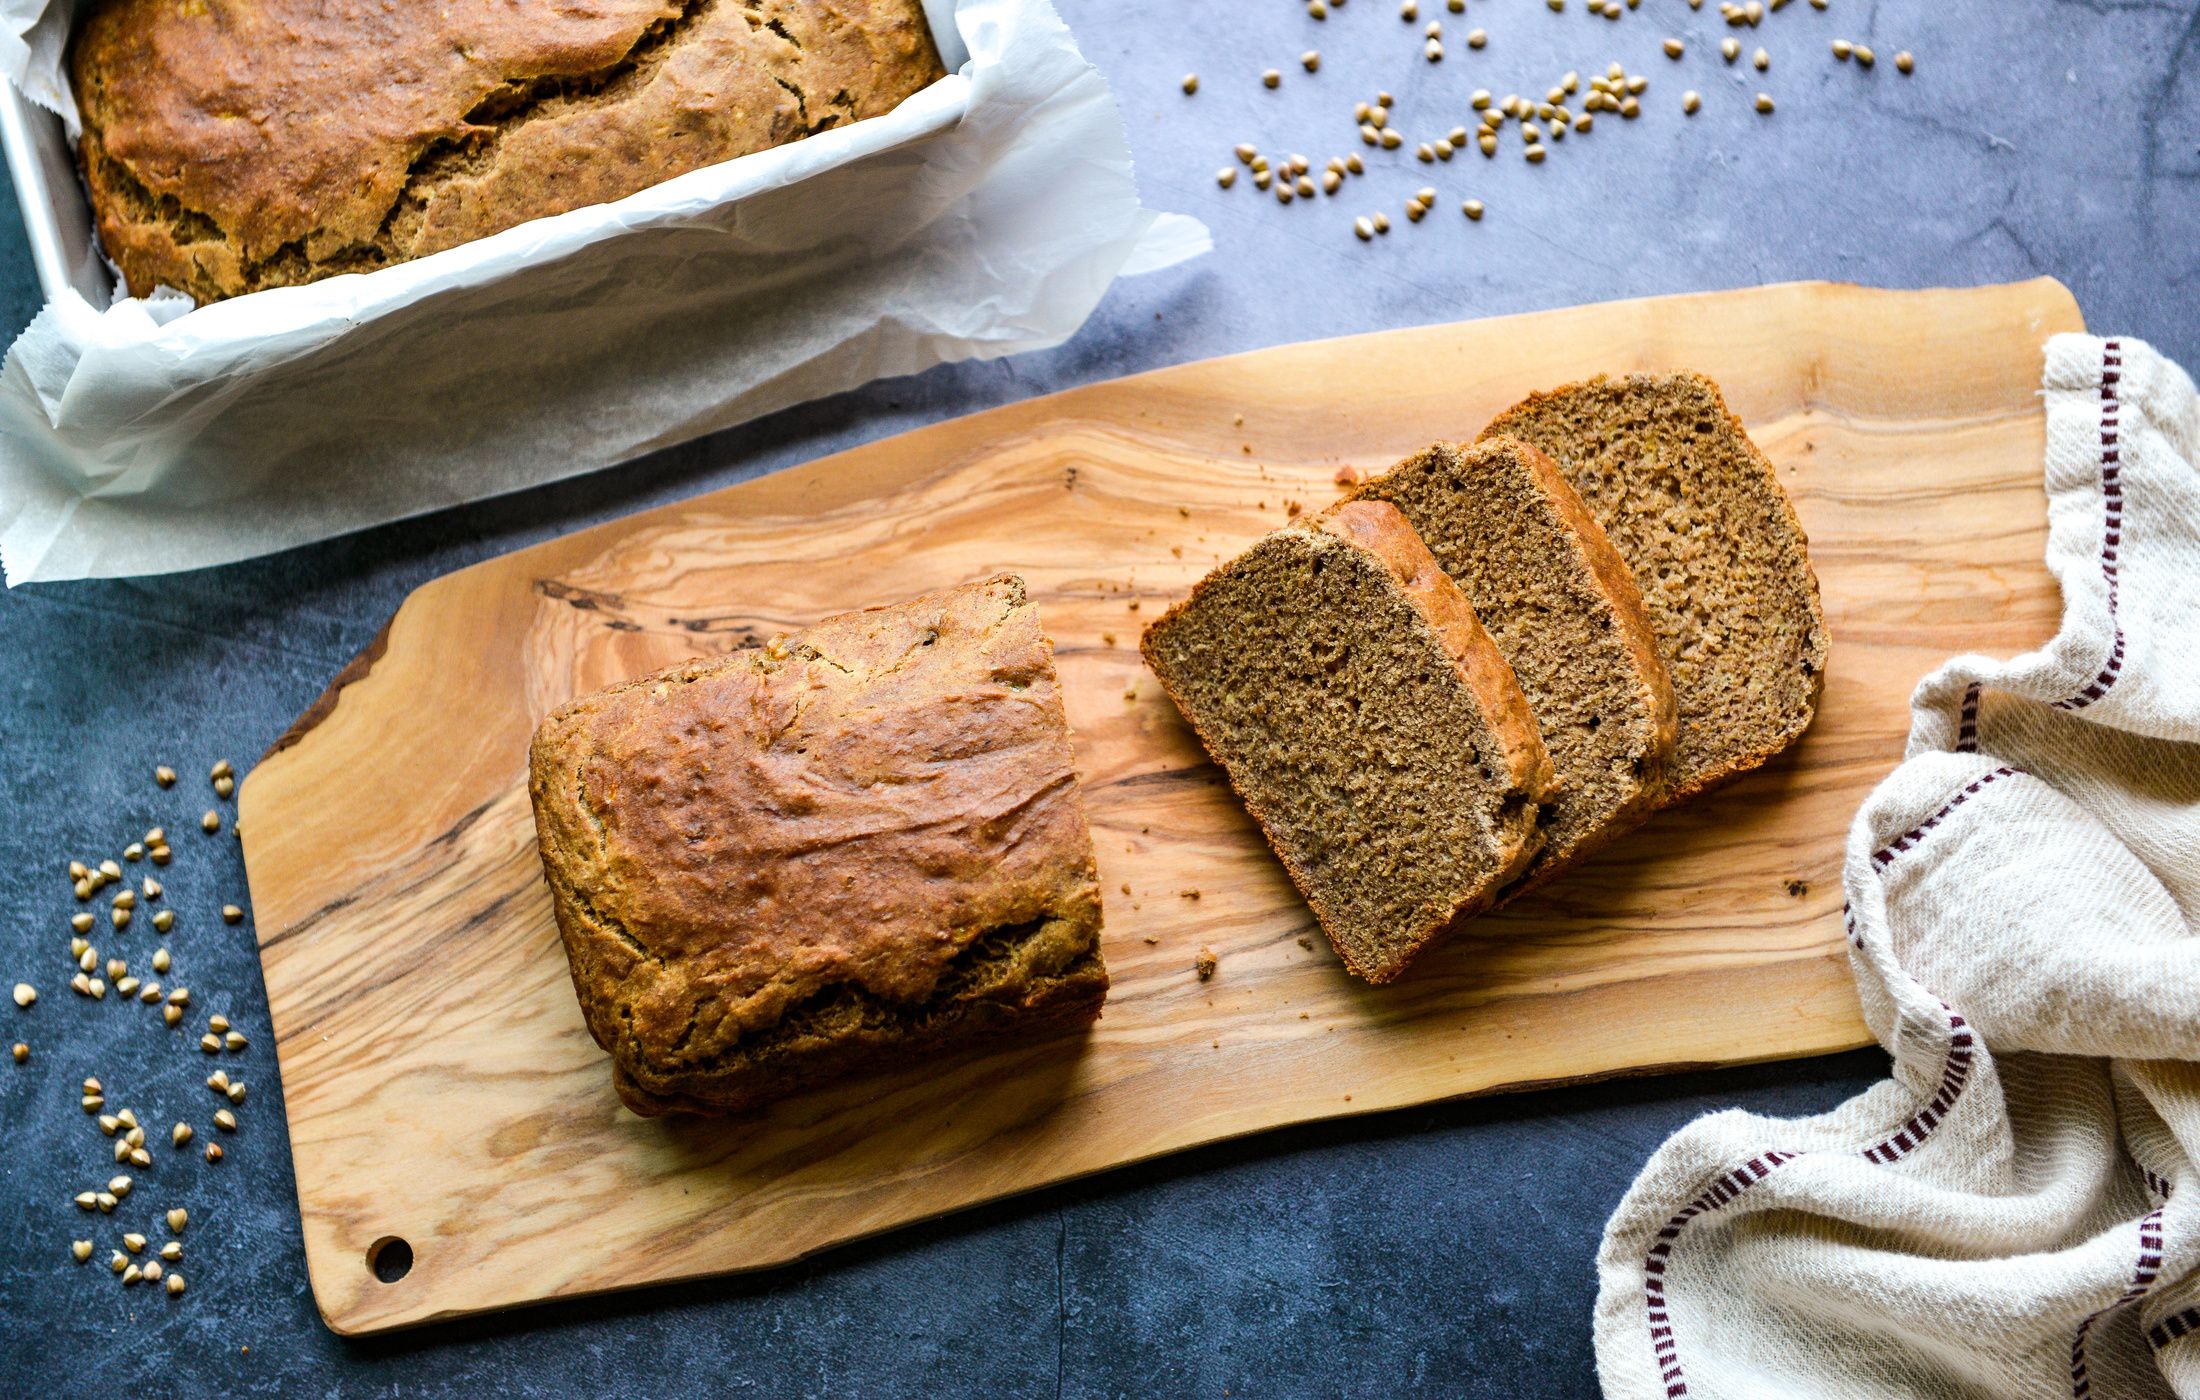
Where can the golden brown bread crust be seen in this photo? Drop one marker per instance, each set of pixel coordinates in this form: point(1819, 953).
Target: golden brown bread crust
point(787, 863)
point(231, 145)
point(1045, 1006)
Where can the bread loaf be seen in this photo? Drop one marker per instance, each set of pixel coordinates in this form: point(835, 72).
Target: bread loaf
point(857, 846)
point(231, 145)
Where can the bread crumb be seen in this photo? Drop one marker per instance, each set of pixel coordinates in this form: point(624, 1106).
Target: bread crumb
point(1306, 943)
point(1246, 448)
point(1177, 550)
point(1189, 894)
point(1304, 1017)
point(1185, 511)
point(1204, 964)
point(1798, 888)
point(1131, 694)
point(1108, 637)
point(1238, 422)
point(1126, 887)
point(1134, 605)
point(1291, 508)
point(1151, 937)
point(1348, 476)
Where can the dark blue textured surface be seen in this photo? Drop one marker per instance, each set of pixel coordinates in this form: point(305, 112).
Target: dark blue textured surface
point(1437, 1251)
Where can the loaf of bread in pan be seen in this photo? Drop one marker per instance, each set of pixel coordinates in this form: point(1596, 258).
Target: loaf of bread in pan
point(231, 145)
point(858, 845)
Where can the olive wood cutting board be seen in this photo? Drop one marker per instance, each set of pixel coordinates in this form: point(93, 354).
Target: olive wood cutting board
point(442, 1089)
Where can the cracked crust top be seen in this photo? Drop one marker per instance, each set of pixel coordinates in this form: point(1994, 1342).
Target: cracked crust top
point(852, 805)
point(231, 145)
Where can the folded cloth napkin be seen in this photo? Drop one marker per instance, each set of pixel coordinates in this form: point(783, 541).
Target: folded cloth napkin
point(2017, 1211)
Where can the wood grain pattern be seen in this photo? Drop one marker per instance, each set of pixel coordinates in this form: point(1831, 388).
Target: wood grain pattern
point(441, 1086)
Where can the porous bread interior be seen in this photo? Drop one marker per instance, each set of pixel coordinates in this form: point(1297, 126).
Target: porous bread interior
point(1724, 570)
point(1343, 724)
point(1483, 514)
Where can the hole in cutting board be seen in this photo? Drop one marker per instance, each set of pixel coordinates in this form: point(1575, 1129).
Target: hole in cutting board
point(390, 1258)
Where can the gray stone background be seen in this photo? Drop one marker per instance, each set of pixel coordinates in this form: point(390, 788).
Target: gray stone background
point(1445, 1250)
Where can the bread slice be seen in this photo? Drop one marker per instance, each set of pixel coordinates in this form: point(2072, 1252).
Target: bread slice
point(1560, 603)
point(1722, 562)
point(1368, 723)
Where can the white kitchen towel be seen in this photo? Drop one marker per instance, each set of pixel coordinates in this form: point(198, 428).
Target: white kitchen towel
point(2016, 1212)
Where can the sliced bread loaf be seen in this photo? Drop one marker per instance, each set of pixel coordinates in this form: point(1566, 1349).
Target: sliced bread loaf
point(1715, 547)
point(1368, 723)
point(1562, 606)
